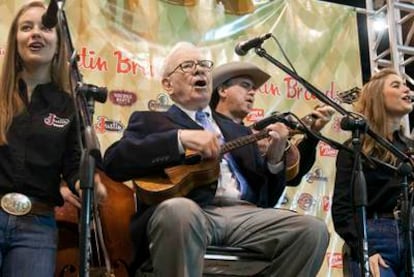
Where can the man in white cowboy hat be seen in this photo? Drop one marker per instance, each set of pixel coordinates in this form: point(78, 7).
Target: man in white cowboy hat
point(235, 85)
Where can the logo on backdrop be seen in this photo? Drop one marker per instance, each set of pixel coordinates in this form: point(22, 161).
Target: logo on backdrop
point(161, 103)
point(315, 175)
point(334, 260)
point(104, 124)
point(255, 115)
point(122, 97)
point(306, 201)
point(325, 150)
point(285, 200)
point(336, 124)
point(326, 203)
point(55, 121)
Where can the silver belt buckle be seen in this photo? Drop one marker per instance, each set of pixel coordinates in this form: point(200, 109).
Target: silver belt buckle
point(16, 203)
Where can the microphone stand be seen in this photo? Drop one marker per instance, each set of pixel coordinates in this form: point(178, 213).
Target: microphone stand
point(406, 221)
point(359, 189)
point(84, 98)
point(358, 126)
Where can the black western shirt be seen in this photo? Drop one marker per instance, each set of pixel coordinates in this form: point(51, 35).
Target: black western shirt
point(43, 146)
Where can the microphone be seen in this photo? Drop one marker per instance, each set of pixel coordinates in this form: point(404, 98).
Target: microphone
point(278, 117)
point(243, 47)
point(263, 123)
point(49, 18)
point(351, 124)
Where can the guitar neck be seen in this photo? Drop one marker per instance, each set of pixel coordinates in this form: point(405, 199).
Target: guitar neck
point(239, 142)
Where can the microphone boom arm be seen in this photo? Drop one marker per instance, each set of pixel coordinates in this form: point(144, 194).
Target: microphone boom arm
point(328, 101)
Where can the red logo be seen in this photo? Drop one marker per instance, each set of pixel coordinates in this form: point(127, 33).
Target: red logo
point(255, 115)
point(336, 124)
point(104, 124)
point(326, 203)
point(334, 260)
point(122, 97)
point(325, 150)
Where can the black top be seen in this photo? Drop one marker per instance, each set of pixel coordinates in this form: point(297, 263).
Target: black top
point(383, 190)
point(42, 147)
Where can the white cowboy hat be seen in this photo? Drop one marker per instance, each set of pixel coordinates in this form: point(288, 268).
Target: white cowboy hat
point(232, 70)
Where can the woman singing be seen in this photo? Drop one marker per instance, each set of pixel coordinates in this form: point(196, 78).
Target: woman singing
point(384, 101)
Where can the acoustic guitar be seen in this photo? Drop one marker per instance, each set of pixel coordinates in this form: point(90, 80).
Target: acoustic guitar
point(181, 179)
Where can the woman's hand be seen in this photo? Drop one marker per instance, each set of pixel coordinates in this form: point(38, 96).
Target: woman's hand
point(100, 192)
point(100, 189)
point(69, 196)
point(375, 261)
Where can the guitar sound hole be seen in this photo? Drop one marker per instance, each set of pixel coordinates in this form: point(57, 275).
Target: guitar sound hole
point(192, 159)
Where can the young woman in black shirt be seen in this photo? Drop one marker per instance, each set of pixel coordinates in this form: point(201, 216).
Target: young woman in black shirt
point(39, 144)
point(383, 102)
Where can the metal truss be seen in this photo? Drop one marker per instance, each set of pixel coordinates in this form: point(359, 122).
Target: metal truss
point(391, 46)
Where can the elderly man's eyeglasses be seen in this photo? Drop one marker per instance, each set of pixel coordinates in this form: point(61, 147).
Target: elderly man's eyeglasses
point(189, 66)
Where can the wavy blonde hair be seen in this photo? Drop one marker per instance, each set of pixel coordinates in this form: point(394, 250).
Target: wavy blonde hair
point(371, 104)
point(10, 102)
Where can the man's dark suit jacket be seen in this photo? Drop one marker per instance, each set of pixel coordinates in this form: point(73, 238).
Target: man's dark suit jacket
point(150, 144)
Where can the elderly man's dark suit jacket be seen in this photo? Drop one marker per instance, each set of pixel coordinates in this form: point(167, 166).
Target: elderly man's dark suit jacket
point(150, 143)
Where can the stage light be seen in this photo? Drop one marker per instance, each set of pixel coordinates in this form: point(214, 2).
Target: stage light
point(379, 22)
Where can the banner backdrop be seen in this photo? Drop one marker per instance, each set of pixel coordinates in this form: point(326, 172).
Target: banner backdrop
point(121, 45)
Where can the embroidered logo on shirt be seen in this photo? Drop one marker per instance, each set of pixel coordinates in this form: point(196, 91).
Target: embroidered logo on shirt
point(55, 121)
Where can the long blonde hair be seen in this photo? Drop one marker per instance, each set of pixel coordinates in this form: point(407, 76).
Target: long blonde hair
point(10, 102)
point(371, 104)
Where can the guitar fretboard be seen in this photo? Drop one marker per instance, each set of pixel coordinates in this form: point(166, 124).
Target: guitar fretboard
point(239, 142)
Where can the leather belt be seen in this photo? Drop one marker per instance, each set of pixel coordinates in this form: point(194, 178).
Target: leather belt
point(19, 204)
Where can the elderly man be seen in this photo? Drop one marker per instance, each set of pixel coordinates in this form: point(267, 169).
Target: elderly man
point(234, 209)
point(234, 88)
